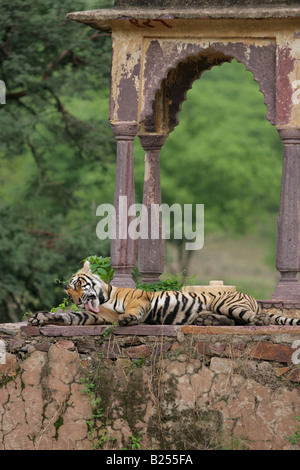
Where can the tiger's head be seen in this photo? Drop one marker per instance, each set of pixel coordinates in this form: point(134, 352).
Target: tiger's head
point(86, 289)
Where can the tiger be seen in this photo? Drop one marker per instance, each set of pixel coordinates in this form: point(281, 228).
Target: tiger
point(100, 303)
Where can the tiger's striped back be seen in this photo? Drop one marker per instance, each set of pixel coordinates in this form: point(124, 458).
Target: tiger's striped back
point(172, 307)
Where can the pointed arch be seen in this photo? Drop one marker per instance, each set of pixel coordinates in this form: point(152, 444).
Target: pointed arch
point(168, 78)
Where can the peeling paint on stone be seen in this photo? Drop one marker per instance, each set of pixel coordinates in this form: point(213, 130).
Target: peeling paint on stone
point(284, 91)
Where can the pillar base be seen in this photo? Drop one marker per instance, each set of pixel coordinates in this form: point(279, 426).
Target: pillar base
point(150, 278)
point(123, 280)
point(287, 290)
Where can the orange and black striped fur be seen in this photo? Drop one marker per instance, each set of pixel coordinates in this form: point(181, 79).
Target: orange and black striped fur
point(101, 304)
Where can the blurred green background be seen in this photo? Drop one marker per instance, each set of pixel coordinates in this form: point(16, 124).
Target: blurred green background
point(58, 157)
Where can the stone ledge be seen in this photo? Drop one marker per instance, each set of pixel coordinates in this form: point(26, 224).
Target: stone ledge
point(240, 330)
point(96, 330)
point(154, 330)
point(102, 18)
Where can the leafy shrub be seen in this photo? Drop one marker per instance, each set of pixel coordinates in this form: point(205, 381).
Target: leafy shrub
point(295, 438)
point(172, 283)
point(102, 267)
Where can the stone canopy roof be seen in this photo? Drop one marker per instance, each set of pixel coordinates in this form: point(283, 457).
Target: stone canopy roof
point(186, 9)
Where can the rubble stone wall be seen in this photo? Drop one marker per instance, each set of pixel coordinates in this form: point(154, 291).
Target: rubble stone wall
point(175, 388)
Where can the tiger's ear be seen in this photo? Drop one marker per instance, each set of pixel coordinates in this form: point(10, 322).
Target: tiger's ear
point(86, 267)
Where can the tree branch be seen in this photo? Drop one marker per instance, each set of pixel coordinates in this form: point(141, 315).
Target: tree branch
point(16, 95)
point(38, 162)
point(51, 64)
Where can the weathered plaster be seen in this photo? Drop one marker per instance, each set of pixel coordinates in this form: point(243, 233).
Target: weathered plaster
point(126, 63)
point(145, 52)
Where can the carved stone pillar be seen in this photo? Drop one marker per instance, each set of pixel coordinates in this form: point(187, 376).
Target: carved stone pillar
point(288, 234)
point(123, 248)
point(151, 242)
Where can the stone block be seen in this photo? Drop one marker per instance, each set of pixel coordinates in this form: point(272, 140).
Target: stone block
point(10, 365)
point(202, 347)
point(15, 344)
point(137, 352)
point(161, 348)
point(30, 330)
point(279, 371)
point(32, 368)
point(214, 287)
point(43, 346)
point(293, 375)
point(220, 365)
point(111, 350)
point(272, 352)
point(217, 348)
point(65, 344)
point(85, 347)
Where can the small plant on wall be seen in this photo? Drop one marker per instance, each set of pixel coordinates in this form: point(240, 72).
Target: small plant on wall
point(295, 438)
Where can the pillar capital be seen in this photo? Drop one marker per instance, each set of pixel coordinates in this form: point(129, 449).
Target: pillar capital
point(125, 130)
point(152, 141)
point(289, 135)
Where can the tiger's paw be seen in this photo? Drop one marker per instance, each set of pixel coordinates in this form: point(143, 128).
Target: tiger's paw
point(44, 318)
point(127, 320)
point(261, 320)
point(213, 319)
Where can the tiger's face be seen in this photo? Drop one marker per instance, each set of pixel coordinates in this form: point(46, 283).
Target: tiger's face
point(85, 289)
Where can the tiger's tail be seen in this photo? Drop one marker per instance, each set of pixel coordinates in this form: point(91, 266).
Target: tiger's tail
point(280, 320)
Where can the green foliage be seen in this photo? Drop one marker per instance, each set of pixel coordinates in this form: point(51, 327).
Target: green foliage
point(224, 153)
point(135, 442)
point(55, 156)
point(53, 145)
point(64, 306)
point(170, 283)
point(109, 331)
point(58, 423)
point(138, 362)
point(31, 258)
point(102, 267)
point(97, 436)
point(295, 438)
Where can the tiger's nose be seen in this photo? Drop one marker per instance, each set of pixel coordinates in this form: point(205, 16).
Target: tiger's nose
point(66, 287)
